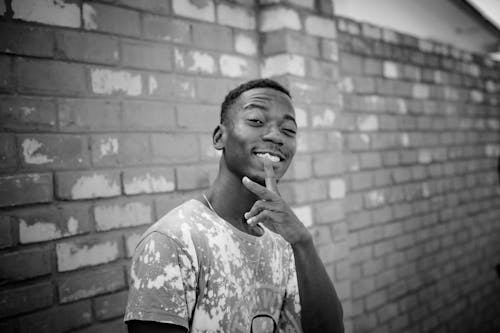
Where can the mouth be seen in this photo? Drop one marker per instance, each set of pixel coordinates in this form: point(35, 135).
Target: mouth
point(272, 157)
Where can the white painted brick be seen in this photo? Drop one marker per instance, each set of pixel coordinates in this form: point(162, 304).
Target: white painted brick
point(337, 188)
point(195, 61)
point(325, 119)
point(107, 82)
point(420, 91)
point(60, 13)
point(391, 70)
point(320, 26)
point(424, 156)
point(283, 64)
point(233, 66)
point(276, 18)
point(112, 216)
point(200, 10)
point(368, 123)
point(402, 107)
point(71, 256)
point(245, 44)
point(302, 3)
point(236, 16)
point(375, 198)
point(492, 150)
point(477, 96)
point(304, 214)
point(89, 17)
point(405, 139)
point(93, 186)
point(43, 231)
point(301, 117)
point(152, 181)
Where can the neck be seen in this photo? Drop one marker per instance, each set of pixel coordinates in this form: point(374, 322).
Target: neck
point(230, 198)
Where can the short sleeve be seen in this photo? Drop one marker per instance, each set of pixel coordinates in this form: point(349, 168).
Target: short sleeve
point(163, 282)
point(289, 320)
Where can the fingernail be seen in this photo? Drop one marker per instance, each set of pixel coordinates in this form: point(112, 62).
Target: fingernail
point(246, 214)
point(245, 179)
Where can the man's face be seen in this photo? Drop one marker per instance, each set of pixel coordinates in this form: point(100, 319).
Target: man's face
point(260, 126)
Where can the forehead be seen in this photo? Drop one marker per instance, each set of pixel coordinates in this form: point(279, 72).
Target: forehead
point(268, 96)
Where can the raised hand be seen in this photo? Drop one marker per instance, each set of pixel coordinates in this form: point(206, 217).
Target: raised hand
point(272, 211)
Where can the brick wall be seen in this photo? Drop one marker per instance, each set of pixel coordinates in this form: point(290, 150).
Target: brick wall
point(106, 111)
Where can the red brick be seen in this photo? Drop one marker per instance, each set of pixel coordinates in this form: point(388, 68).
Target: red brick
point(155, 6)
point(214, 37)
point(197, 117)
point(26, 298)
point(8, 326)
point(80, 285)
point(120, 149)
point(142, 115)
point(146, 55)
point(6, 73)
point(171, 86)
point(110, 306)
point(88, 184)
point(26, 40)
point(213, 90)
point(329, 211)
point(328, 164)
point(50, 77)
point(372, 67)
point(329, 50)
point(41, 321)
point(174, 148)
point(8, 156)
point(122, 213)
point(166, 29)
point(195, 61)
point(117, 326)
point(287, 41)
point(88, 251)
point(312, 142)
point(300, 168)
point(194, 177)
point(167, 202)
point(42, 223)
point(71, 316)
point(76, 115)
point(53, 151)
point(25, 189)
point(25, 264)
point(111, 19)
point(350, 63)
point(148, 180)
point(25, 113)
point(6, 232)
point(370, 160)
point(86, 47)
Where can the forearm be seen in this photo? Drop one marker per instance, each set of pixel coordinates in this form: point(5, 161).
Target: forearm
point(321, 310)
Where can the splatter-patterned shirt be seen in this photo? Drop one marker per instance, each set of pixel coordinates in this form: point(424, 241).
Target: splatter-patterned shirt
point(194, 269)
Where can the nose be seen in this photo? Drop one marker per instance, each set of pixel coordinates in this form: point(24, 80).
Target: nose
point(273, 134)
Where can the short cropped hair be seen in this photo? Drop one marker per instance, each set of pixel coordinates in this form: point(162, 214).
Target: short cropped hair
point(236, 92)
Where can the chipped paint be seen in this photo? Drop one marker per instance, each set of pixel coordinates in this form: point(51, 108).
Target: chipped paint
point(56, 12)
point(326, 119)
point(405, 139)
point(108, 146)
point(376, 198)
point(27, 111)
point(95, 185)
point(279, 18)
point(152, 85)
point(149, 183)
point(245, 45)
point(283, 64)
point(105, 81)
point(71, 256)
point(43, 231)
point(202, 62)
point(368, 123)
point(89, 17)
point(337, 189)
point(202, 10)
point(233, 66)
point(30, 155)
point(424, 156)
point(118, 216)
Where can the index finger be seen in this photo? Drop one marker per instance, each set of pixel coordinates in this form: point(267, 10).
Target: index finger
point(271, 183)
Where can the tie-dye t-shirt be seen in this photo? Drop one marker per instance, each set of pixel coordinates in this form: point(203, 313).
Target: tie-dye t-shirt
point(194, 269)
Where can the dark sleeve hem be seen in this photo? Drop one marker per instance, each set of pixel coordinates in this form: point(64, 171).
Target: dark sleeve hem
point(157, 317)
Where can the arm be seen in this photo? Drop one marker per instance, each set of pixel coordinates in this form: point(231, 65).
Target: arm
point(138, 326)
point(321, 310)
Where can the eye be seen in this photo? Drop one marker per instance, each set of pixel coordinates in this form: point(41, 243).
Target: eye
point(255, 122)
point(289, 132)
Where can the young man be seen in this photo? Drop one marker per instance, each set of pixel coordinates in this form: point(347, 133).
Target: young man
point(236, 259)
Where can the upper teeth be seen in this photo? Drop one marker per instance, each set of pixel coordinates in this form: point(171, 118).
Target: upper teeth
point(269, 157)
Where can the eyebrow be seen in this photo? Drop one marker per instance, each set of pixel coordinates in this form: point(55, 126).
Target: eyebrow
point(263, 107)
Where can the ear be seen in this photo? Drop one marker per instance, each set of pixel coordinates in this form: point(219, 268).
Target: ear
point(218, 137)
